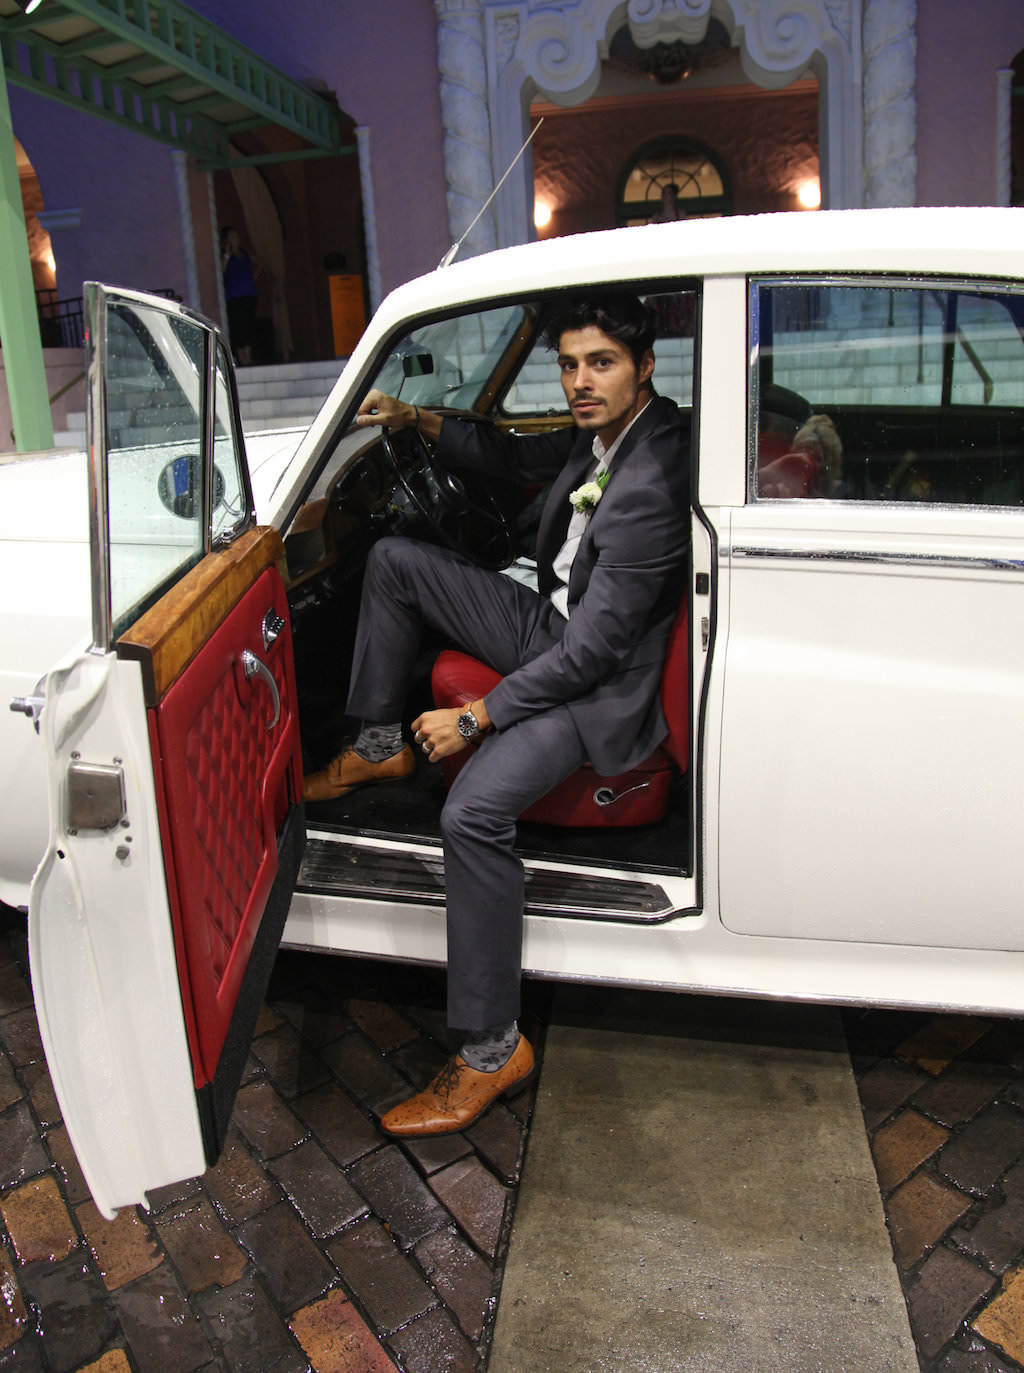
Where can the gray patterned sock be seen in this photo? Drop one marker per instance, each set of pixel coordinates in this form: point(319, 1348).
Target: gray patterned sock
point(492, 1049)
point(377, 742)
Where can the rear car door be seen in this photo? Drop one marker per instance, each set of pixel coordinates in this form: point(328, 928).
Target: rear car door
point(172, 746)
point(874, 671)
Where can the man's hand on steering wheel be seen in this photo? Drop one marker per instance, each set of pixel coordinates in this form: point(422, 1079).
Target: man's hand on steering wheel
point(470, 521)
point(383, 410)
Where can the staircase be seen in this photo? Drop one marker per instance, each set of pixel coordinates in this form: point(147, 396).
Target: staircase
point(284, 395)
point(278, 396)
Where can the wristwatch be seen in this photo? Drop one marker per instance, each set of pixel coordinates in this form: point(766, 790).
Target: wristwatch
point(469, 725)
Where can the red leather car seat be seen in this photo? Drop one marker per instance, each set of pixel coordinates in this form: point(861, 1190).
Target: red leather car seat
point(791, 475)
point(638, 797)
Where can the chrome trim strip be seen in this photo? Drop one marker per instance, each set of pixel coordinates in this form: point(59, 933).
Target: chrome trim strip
point(209, 395)
point(95, 310)
point(851, 555)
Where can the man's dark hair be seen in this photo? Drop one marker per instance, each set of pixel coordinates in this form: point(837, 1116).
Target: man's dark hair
point(621, 317)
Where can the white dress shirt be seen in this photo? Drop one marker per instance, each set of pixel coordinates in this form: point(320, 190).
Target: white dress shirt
point(562, 564)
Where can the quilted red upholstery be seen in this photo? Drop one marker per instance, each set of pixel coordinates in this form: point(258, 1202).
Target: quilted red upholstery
point(227, 783)
point(642, 794)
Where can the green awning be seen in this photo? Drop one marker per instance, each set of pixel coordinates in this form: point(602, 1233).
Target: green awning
point(155, 67)
point(159, 68)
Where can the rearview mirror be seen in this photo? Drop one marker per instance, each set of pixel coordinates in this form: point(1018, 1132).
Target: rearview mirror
point(417, 364)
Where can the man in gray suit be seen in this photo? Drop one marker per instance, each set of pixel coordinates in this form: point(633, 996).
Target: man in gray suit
point(580, 657)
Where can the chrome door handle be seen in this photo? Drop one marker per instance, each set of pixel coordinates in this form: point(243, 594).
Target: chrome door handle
point(256, 667)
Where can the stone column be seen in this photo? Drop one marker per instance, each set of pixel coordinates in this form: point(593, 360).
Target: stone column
point(1004, 117)
point(369, 216)
point(179, 160)
point(890, 105)
point(466, 122)
point(218, 269)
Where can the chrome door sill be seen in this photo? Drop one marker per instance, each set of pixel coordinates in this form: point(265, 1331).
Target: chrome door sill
point(341, 867)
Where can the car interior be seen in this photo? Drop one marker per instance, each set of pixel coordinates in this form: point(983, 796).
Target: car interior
point(489, 366)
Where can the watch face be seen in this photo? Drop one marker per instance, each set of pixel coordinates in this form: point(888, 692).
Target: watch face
point(468, 726)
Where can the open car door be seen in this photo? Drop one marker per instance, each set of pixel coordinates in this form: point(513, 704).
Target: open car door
point(172, 745)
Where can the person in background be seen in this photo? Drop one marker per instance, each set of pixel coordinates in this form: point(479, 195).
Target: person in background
point(240, 272)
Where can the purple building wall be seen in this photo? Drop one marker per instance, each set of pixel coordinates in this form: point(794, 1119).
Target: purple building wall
point(382, 67)
point(123, 184)
point(960, 48)
point(380, 61)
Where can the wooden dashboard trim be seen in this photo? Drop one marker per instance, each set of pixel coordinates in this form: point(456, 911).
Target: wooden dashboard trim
point(167, 637)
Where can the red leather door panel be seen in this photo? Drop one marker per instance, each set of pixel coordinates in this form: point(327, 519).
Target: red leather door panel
point(230, 772)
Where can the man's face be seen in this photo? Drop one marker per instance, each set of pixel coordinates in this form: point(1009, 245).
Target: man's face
point(603, 385)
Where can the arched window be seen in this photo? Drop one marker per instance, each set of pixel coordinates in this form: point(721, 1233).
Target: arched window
point(671, 178)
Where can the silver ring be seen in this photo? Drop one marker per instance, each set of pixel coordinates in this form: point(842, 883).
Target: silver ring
point(425, 746)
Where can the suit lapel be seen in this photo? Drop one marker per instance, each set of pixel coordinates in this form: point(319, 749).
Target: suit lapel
point(557, 510)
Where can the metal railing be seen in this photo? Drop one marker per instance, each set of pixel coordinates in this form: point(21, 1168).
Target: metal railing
point(61, 322)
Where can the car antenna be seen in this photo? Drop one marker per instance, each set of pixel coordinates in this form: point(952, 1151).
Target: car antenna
point(453, 251)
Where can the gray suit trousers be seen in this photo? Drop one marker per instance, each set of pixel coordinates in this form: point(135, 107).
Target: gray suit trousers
point(410, 586)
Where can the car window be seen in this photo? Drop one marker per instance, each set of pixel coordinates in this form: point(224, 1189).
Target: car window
point(157, 512)
point(230, 509)
point(887, 392)
point(154, 428)
point(450, 362)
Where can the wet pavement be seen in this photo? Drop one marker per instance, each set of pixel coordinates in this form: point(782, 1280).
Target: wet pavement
point(318, 1243)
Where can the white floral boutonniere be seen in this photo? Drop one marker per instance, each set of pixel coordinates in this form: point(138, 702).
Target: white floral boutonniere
point(585, 498)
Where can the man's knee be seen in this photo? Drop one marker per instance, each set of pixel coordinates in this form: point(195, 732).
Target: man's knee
point(385, 555)
point(466, 815)
point(398, 561)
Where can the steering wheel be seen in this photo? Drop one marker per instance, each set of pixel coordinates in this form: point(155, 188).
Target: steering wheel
point(470, 521)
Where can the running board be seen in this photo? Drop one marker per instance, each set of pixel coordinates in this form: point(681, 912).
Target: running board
point(337, 867)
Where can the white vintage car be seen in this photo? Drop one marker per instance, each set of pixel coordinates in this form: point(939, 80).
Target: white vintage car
point(837, 814)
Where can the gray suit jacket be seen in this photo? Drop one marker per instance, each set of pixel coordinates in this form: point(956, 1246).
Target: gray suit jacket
point(627, 578)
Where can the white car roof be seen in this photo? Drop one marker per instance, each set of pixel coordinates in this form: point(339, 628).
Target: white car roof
point(980, 241)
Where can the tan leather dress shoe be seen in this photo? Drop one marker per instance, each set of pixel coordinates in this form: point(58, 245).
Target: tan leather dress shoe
point(457, 1096)
point(348, 770)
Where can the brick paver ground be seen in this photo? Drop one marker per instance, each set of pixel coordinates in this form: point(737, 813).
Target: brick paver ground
point(319, 1243)
point(316, 1242)
point(943, 1103)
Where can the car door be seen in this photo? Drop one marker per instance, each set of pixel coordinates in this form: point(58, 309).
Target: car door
point(174, 768)
point(874, 667)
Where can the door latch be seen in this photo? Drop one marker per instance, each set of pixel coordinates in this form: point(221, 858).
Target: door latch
point(272, 626)
point(95, 796)
point(32, 706)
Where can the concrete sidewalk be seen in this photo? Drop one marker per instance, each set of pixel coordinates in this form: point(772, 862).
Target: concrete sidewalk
point(698, 1195)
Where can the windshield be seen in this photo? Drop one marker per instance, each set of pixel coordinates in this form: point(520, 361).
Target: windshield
point(451, 361)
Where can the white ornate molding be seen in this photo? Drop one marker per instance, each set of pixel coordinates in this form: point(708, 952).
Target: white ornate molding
point(466, 120)
point(890, 102)
point(496, 56)
point(668, 21)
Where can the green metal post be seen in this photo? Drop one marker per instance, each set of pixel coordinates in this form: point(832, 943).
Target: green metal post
point(19, 318)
